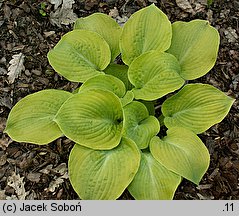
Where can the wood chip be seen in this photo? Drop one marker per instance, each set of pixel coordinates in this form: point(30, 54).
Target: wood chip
point(214, 174)
point(204, 187)
point(185, 5)
point(34, 177)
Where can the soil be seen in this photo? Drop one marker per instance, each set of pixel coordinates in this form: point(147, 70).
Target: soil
point(39, 172)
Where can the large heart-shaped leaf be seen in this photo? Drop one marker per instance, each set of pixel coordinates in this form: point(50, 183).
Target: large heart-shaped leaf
point(196, 107)
point(121, 72)
point(31, 119)
point(92, 118)
point(105, 82)
point(79, 55)
point(153, 181)
point(104, 25)
point(195, 44)
point(147, 29)
point(154, 74)
point(182, 152)
point(103, 174)
point(139, 125)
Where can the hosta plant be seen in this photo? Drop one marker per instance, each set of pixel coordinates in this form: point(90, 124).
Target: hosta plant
point(110, 117)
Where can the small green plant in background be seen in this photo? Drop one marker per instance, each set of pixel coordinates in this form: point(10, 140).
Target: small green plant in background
point(111, 116)
point(209, 3)
point(42, 9)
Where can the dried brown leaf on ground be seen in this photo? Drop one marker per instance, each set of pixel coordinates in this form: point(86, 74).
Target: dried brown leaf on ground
point(121, 20)
point(16, 67)
point(3, 158)
point(3, 71)
point(16, 182)
point(89, 4)
point(2, 195)
point(56, 3)
point(192, 6)
point(34, 177)
point(114, 12)
point(2, 123)
point(199, 8)
point(60, 169)
point(63, 15)
point(56, 183)
point(185, 5)
point(231, 35)
point(4, 139)
point(47, 169)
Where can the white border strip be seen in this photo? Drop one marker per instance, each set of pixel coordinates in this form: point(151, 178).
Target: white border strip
point(119, 208)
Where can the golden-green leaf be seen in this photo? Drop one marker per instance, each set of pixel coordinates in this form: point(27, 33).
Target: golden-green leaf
point(80, 55)
point(153, 181)
point(92, 118)
point(104, 82)
point(31, 119)
point(139, 125)
point(196, 107)
point(121, 72)
point(195, 44)
point(154, 74)
point(104, 25)
point(103, 174)
point(182, 152)
point(147, 29)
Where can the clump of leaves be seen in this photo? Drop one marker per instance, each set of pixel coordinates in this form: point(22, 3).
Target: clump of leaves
point(110, 117)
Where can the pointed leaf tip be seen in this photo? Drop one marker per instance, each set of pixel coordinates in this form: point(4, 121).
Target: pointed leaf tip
point(195, 44)
point(153, 181)
point(196, 107)
point(31, 119)
point(147, 29)
point(103, 174)
point(182, 152)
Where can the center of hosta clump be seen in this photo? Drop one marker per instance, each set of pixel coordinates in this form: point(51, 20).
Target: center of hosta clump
point(119, 121)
